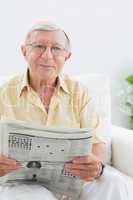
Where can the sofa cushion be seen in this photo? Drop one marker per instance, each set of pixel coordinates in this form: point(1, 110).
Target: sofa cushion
point(122, 149)
point(4, 79)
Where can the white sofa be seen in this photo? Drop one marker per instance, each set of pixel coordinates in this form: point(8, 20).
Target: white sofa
point(120, 140)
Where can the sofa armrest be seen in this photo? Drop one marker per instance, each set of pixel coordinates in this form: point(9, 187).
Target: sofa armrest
point(122, 149)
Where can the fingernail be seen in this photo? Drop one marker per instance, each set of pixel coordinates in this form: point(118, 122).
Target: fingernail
point(74, 161)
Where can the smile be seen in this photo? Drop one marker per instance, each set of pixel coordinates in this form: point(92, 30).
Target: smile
point(46, 66)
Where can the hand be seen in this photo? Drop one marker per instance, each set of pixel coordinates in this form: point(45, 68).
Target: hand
point(7, 165)
point(86, 167)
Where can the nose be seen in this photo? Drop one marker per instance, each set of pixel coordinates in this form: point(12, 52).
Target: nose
point(47, 53)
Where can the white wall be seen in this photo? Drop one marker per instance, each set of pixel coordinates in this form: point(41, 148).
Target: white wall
point(101, 32)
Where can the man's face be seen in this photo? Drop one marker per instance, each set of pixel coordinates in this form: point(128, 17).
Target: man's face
point(45, 52)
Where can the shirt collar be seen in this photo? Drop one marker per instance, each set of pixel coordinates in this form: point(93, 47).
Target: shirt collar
point(61, 83)
point(24, 84)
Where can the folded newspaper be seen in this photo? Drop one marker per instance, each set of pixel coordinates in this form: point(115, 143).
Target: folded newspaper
point(42, 152)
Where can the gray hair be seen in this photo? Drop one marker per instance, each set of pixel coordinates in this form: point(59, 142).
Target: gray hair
point(48, 26)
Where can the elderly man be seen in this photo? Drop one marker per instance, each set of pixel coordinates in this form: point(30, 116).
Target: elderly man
point(46, 96)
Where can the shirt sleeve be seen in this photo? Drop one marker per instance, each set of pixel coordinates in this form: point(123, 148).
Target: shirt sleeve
point(89, 118)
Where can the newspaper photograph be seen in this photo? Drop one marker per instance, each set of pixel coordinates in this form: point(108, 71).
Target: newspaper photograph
point(42, 152)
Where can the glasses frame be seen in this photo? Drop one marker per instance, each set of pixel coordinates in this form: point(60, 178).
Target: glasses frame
point(55, 52)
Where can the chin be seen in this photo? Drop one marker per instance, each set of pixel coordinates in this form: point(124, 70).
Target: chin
point(47, 74)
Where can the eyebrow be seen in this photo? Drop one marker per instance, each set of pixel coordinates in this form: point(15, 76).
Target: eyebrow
point(43, 43)
point(57, 44)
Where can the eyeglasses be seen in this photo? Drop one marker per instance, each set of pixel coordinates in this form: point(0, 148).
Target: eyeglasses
point(39, 49)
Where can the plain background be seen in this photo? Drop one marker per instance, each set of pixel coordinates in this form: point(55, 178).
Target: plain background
point(101, 33)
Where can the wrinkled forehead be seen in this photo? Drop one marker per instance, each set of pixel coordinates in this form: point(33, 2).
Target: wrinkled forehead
point(44, 36)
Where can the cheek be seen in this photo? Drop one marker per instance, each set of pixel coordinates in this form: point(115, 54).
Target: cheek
point(31, 58)
point(60, 62)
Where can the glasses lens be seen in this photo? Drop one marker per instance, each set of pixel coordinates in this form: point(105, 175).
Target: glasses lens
point(39, 49)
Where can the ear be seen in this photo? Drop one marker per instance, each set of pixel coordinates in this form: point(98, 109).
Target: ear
point(23, 50)
point(67, 56)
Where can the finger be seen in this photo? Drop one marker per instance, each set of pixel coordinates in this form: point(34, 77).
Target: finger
point(9, 167)
point(84, 159)
point(7, 160)
point(85, 167)
point(86, 174)
point(83, 175)
point(2, 173)
point(78, 166)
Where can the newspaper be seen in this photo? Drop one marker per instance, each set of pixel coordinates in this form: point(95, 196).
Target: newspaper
point(42, 152)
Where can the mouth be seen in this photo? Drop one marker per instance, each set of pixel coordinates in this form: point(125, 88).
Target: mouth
point(46, 66)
